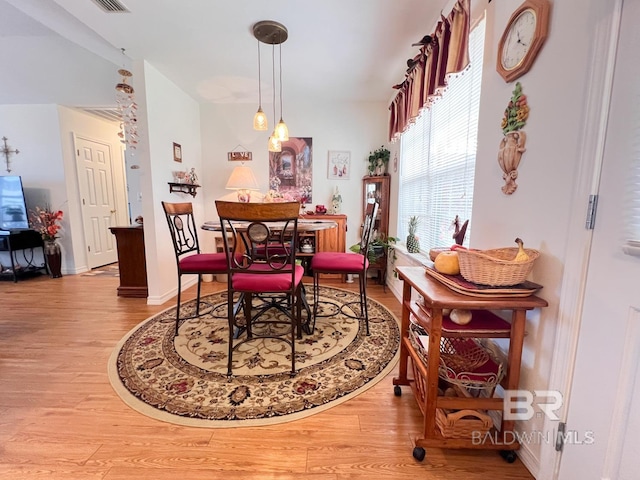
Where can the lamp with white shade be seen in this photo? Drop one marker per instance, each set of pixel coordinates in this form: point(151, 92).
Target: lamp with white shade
point(244, 181)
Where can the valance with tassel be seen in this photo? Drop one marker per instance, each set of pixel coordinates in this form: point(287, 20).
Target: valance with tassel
point(444, 53)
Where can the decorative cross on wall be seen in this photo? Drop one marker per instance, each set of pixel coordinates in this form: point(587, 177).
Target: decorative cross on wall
point(7, 153)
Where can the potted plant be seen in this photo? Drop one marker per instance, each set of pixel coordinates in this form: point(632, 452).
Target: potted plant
point(377, 247)
point(378, 160)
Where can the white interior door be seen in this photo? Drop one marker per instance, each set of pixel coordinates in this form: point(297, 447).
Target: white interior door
point(98, 199)
point(604, 410)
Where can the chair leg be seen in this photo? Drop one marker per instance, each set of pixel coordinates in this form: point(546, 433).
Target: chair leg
point(316, 299)
point(198, 296)
point(178, 305)
point(231, 320)
point(363, 300)
point(295, 313)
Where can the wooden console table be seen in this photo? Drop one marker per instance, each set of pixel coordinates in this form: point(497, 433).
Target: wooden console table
point(424, 383)
point(131, 261)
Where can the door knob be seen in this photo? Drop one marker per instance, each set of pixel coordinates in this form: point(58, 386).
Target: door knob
point(112, 211)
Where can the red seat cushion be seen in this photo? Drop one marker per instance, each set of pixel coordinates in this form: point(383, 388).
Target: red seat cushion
point(265, 283)
point(204, 263)
point(339, 262)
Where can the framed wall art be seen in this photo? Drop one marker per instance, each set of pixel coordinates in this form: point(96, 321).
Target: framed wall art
point(338, 165)
point(291, 170)
point(177, 152)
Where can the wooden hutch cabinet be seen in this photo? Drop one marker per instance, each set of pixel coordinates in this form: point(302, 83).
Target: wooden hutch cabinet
point(328, 240)
point(377, 189)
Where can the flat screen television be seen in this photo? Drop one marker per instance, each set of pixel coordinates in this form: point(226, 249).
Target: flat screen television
point(13, 207)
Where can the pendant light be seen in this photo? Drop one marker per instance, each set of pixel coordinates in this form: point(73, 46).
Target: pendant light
point(274, 33)
point(260, 118)
point(281, 129)
point(275, 145)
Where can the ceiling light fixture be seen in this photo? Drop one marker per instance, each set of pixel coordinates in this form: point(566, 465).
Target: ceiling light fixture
point(274, 33)
point(260, 118)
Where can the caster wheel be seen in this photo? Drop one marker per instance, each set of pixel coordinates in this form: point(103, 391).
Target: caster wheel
point(397, 391)
point(508, 455)
point(419, 453)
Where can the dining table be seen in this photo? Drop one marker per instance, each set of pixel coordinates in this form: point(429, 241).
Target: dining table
point(304, 226)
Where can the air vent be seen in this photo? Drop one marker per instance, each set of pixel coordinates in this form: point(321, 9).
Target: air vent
point(111, 6)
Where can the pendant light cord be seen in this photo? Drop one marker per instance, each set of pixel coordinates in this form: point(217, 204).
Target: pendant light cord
point(280, 82)
point(273, 63)
point(259, 79)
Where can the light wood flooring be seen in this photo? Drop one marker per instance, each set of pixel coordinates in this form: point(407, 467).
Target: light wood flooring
point(60, 419)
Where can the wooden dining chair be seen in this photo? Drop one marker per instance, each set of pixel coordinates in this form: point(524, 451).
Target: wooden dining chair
point(260, 246)
point(189, 259)
point(347, 263)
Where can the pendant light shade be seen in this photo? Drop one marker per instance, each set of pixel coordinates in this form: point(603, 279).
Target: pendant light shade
point(275, 145)
point(260, 118)
point(282, 132)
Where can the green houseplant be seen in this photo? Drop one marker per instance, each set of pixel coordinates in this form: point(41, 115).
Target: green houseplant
point(377, 247)
point(378, 160)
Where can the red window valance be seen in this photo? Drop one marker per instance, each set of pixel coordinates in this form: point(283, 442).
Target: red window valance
point(427, 74)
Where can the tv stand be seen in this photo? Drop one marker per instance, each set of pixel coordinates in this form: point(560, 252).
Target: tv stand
point(25, 241)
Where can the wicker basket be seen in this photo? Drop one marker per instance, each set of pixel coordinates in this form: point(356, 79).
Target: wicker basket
point(495, 267)
point(462, 423)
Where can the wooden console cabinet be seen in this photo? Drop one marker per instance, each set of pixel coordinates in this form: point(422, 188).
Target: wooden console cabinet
point(327, 240)
point(131, 261)
point(425, 376)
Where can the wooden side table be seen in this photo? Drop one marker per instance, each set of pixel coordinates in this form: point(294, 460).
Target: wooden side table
point(131, 261)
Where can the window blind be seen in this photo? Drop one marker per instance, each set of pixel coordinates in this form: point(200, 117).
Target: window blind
point(438, 154)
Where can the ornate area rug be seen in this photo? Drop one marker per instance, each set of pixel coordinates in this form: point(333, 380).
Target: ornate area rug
point(183, 380)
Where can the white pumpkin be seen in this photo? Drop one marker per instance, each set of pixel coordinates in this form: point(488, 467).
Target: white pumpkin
point(460, 316)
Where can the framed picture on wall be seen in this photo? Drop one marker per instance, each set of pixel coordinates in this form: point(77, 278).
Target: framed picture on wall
point(338, 165)
point(177, 152)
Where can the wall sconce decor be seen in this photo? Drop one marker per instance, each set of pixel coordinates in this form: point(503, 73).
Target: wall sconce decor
point(7, 152)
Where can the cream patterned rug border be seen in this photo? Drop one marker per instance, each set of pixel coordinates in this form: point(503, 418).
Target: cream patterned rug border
point(376, 313)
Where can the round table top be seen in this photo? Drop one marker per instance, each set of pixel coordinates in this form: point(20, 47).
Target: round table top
point(303, 225)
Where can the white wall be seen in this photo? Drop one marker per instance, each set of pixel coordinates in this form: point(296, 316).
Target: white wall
point(33, 130)
point(167, 115)
point(354, 127)
point(46, 162)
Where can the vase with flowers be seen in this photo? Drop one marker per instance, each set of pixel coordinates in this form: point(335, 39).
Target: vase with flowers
point(46, 222)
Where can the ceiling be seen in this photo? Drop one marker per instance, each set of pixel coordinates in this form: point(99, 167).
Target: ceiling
point(337, 50)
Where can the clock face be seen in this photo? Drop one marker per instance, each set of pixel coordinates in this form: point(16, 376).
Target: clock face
point(518, 40)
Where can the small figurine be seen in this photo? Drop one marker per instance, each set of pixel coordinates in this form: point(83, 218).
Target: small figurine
point(336, 201)
point(192, 178)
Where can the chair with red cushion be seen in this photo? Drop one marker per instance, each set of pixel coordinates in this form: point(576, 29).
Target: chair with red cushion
point(260, 244)
point(186, 246)
point(347, 263)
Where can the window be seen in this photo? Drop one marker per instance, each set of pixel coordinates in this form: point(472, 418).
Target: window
point(438, 156)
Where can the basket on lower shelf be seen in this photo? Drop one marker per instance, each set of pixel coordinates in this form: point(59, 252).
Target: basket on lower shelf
point(496, 267)
point(463, 361)
point(462, 423)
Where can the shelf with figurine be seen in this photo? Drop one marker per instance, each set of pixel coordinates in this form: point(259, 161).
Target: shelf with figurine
point(184, 182)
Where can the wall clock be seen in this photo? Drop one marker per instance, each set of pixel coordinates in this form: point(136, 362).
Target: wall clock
point(522, 38)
